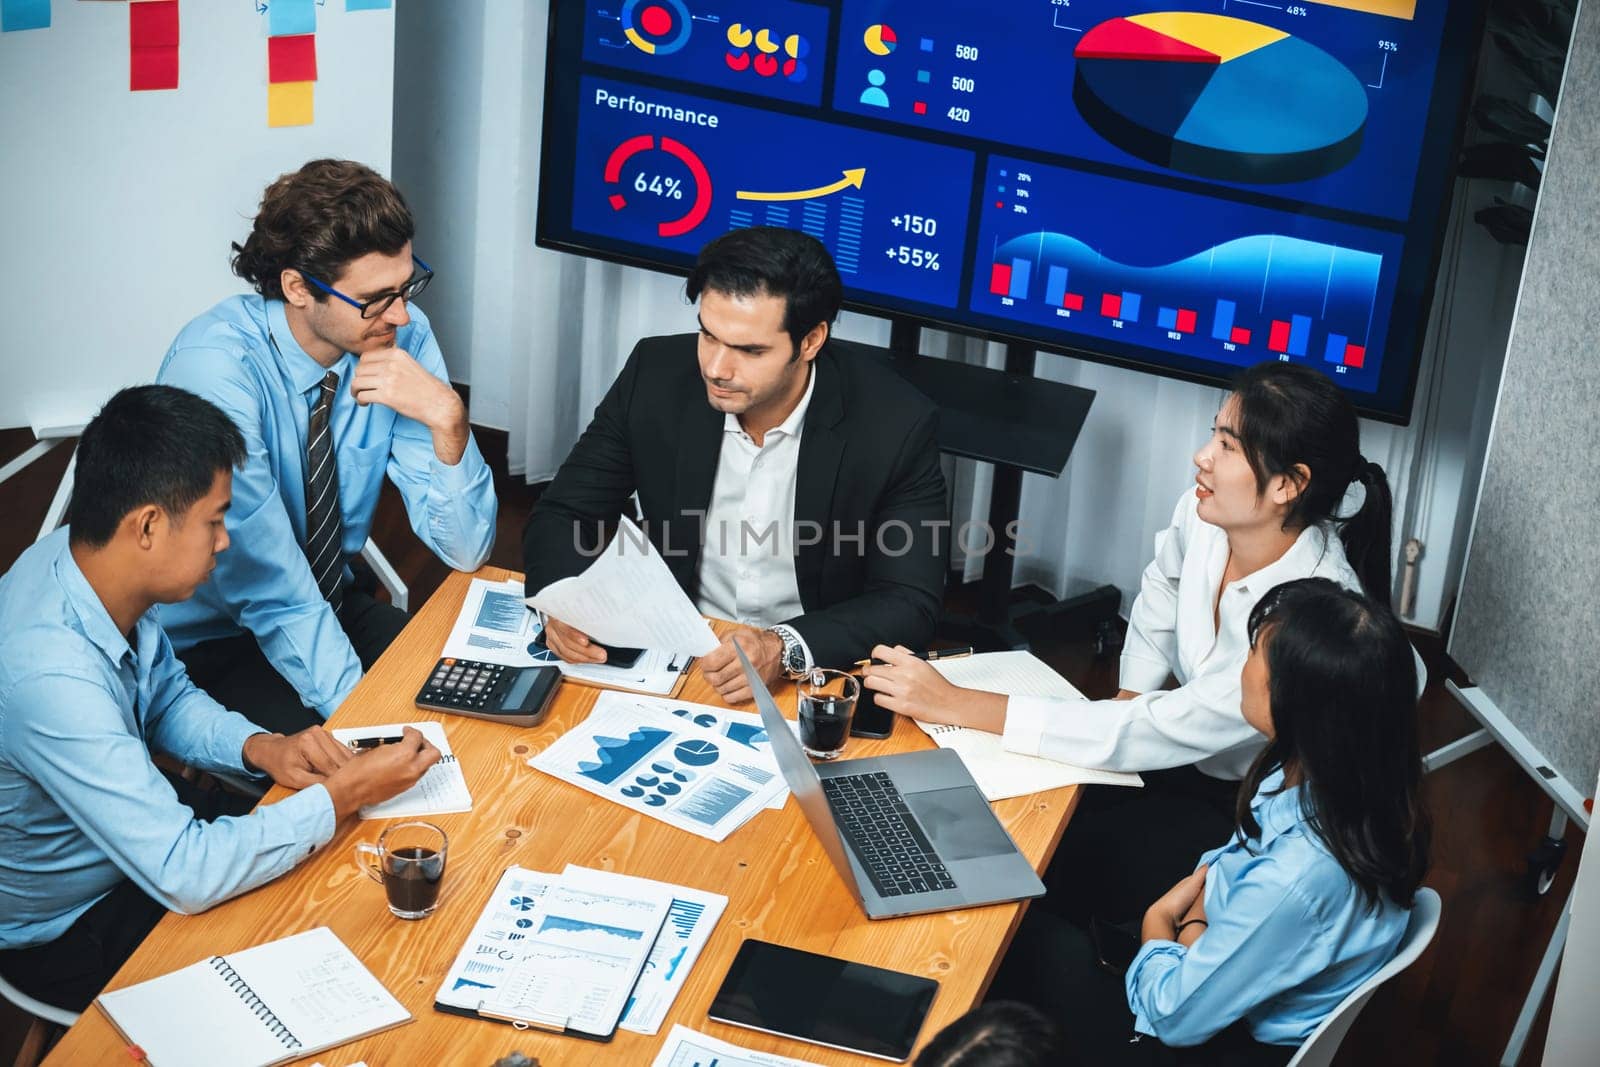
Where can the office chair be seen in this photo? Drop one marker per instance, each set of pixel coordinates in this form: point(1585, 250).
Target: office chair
point(1318, 1049)
point(44, 1018)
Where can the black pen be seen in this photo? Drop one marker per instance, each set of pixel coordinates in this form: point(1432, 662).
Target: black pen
point(363, 743)
point(938, 653)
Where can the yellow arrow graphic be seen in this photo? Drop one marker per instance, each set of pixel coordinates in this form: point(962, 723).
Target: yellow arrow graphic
point(851, 177)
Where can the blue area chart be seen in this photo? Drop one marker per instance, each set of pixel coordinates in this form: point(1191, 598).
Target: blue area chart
point(1231, 288)
point(1326, 106)
point(671, 171)
point(617, 755)
point(773, 49)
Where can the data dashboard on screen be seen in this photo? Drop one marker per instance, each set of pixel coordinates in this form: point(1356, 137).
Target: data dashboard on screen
point(1184, 188)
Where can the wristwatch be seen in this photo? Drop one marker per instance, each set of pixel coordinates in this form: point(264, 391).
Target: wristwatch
point(794, 658)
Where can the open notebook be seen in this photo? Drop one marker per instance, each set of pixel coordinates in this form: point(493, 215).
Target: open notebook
point(266, 1005)
point(442, 790)
point(1001, 773)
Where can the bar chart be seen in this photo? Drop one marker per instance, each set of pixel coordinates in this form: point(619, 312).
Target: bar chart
point(1205, 286)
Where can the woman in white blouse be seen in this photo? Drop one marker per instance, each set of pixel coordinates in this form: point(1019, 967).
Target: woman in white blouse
point(1284, 451)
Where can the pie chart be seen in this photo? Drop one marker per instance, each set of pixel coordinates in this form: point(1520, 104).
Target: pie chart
point(1219, 97)
point(879, 39)
point(696, 753)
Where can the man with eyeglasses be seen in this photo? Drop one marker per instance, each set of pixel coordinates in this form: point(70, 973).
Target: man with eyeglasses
point(335, 379)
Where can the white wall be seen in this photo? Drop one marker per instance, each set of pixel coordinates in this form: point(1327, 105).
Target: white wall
point(1574, 1037)
point(117, 208)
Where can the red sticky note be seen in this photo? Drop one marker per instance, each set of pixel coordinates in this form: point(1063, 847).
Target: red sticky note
point(153, 24)
point(292, 59)
point(152, 68)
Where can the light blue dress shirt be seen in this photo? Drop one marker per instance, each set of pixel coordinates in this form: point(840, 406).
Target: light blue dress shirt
point(81, 805)
point(263, 583)
point(1288, 937)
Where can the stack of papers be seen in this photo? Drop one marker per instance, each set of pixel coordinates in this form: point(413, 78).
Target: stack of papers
point(442, 790)
point(694, 775)
point(496, 626)
point(998, 772)
point(549, 946)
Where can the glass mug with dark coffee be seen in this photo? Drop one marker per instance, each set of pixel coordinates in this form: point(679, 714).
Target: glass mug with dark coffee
point(409, 860)
point(826, 704)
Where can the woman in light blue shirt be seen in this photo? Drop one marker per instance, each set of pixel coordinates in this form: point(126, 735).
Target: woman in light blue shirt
point(1243, 959)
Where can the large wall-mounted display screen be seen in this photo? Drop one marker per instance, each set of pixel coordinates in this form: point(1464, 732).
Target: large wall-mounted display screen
point(1181, 188)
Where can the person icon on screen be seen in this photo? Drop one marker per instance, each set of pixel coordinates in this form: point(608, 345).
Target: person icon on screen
point(873, 95)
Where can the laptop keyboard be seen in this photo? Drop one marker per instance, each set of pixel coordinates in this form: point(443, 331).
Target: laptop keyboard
point(874, 818)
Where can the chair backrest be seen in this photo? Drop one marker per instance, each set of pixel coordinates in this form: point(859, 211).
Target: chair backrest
point(37, 1008)
point(1318, 1049)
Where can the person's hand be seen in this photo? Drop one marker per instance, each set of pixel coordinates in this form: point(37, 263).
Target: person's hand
point(389, 376)
point(571, 644)
point(721, 666)
point(298, 760)
point(380, 773)
point(1162, 918)
point(910, 686)
point(1125, 694)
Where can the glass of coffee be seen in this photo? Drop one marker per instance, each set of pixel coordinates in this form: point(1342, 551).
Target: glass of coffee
point(409, 860)
point(827, 703)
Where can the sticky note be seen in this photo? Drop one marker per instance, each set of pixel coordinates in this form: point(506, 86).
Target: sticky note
point(289, 103)
point(152, 68)
point(24, 15)
point(285, 18)
point(154, 24)
point(365, 5)
point(292, 59)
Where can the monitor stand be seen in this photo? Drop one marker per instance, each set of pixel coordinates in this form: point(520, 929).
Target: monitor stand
point(1015, 422)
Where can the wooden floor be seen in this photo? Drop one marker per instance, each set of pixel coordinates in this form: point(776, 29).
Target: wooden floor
point(1456, 1006)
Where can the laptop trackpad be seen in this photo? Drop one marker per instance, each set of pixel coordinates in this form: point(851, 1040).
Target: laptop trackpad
point(947, 818)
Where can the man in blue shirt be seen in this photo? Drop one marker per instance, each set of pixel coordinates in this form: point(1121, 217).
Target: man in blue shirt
point(96, 843)
point(335, 380)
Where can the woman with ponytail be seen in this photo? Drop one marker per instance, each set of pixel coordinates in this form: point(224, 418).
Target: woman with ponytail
point(1270, 483)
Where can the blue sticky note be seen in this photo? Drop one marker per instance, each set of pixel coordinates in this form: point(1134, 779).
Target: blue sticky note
point(365, 5)
point(289, 17)
point(24, 15)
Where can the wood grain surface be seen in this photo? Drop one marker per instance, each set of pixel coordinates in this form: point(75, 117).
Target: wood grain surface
point(779, 883)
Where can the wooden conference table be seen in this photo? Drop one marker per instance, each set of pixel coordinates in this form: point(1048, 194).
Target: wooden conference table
point(779, 883)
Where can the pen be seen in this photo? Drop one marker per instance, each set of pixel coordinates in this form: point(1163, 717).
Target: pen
point(363, 743)
point(938, 653)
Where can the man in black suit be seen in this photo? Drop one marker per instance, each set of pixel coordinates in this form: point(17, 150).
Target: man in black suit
point(790, 487)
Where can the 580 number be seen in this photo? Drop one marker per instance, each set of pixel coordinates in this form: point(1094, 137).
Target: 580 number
point(967, 51)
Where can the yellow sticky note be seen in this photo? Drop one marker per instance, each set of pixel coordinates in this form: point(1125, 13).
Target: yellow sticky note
point(289, 104)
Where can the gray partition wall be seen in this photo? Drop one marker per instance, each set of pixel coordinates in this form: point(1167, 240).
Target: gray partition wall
point(1527, 627)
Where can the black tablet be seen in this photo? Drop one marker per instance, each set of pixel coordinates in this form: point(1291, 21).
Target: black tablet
point(824, 1000)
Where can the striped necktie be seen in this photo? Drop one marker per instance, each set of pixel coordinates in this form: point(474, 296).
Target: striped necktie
point(324, 531)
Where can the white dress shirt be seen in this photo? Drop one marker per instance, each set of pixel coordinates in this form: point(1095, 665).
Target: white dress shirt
point(747, 560)
point(1171, 631)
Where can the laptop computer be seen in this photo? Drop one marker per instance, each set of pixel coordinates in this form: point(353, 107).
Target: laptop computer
point(908, 833)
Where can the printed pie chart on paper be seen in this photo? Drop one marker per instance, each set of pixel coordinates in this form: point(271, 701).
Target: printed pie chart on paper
point(1219, 96)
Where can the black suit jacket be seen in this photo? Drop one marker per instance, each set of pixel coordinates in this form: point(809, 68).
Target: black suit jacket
point(868, 469)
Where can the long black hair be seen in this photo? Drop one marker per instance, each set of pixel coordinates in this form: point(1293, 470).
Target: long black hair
point(1343, 690)
point(1289, 415)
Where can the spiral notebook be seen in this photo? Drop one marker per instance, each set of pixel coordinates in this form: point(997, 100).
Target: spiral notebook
point(441, 791)
point(266, 1005)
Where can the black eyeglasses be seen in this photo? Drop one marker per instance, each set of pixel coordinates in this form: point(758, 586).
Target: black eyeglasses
point(371, 309)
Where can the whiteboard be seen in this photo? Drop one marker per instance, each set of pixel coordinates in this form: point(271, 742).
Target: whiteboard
point(117, 208)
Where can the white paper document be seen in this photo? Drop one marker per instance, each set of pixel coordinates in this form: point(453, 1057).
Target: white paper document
point(998, 772)
point(442, 790)
point(627, 597)
point(690, 1048)
point(664, 766)
point(495, 625)
point(495, 944)
point(590, 937)
point(745, 727)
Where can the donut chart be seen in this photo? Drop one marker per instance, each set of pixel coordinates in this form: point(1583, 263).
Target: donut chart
point(1220, 97)
point(656, 27)
point(699, 203)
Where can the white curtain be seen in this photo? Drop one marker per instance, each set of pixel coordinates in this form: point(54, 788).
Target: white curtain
point(545, 333)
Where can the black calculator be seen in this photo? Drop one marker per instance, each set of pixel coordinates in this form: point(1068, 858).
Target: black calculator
point(517, 695)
